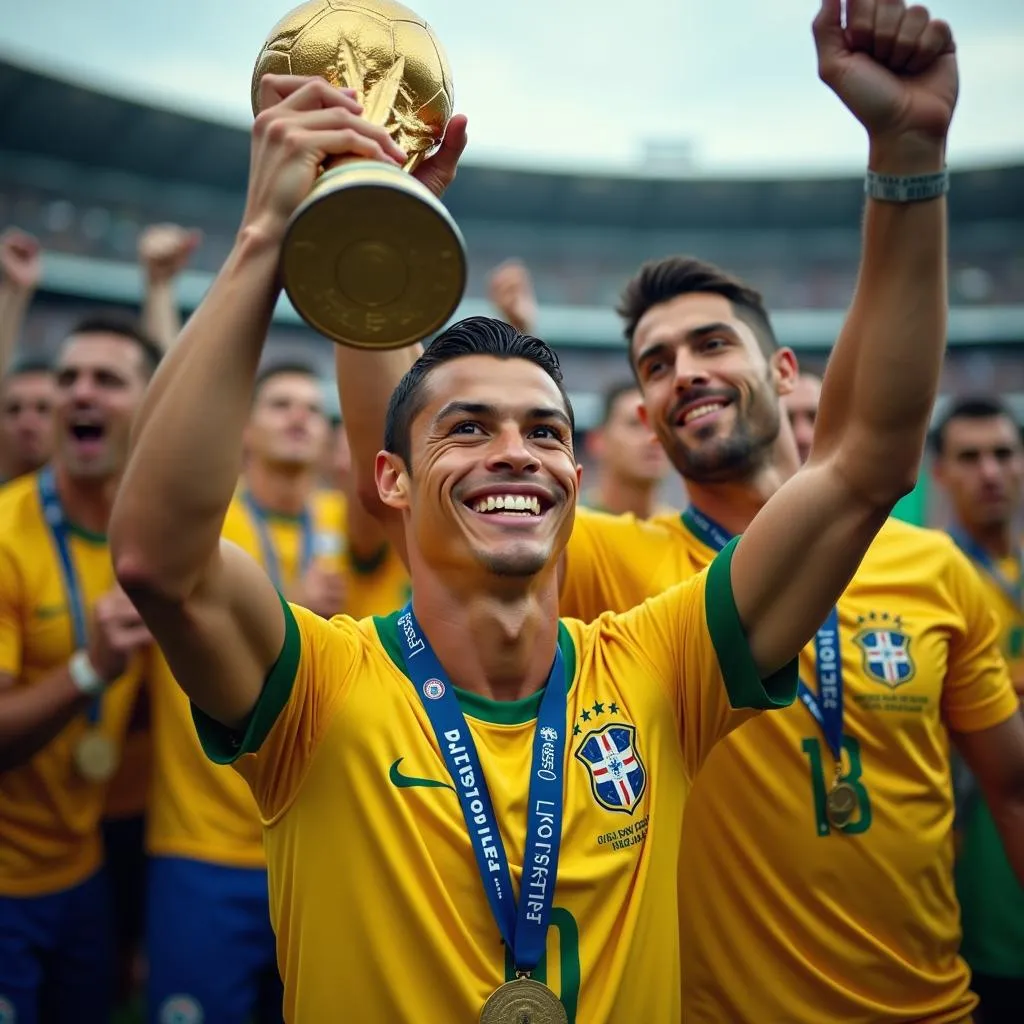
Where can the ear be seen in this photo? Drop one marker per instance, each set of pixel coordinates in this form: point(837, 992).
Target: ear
point(393, 484)
point(938, 469)
point(645, 419)
point(784, 370)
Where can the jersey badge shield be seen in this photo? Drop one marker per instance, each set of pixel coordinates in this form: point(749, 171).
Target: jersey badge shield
point(885, 646)
point(618, 777)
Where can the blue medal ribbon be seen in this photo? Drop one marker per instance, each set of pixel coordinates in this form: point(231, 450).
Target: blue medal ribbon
point(977, 554)
point(524, 930)
point(260, 519)
point(57, 523)
point(825, 706)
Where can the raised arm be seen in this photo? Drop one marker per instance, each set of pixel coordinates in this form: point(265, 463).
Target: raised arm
point(212, 610)
point(895, 69)
point(20, 270)
point(164, 252)
point(367, 378)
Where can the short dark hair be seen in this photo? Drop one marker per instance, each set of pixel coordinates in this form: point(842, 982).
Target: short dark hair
point(970, 407)
point(125, 327)
point(474, 336)
point(659, 281)
point(281, 367)
point(26, 363)
point(611, 396)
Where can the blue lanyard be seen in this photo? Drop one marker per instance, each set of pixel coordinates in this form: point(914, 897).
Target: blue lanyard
point(825, 706)
point(977, 554)
point(525, 931)
point(267, 549)
point(53, 513)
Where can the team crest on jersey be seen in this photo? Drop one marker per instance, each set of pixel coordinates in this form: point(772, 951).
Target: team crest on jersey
point(8, 1015)
point(885, 646)
point(181, 1009)
point(618, 777)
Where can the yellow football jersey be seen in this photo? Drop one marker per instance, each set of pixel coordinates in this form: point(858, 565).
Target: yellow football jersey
point(285, 532)
point(198, 809)
point(377, 587)
point(783, 917)
point(375, 896)
point(613, 563)
point(50, 814)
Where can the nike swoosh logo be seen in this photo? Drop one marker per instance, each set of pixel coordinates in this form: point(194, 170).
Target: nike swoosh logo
point(407, 781)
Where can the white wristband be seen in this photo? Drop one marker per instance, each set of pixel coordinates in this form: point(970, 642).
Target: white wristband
point(86, 679)
point(910, 188)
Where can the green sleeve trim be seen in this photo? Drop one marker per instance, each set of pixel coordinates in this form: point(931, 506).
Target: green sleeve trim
point(743, 682)
point(371, 563)
point(225, 746)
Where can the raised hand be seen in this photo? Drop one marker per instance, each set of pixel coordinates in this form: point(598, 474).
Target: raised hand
point(165, 249)
point(21, 263)
point(304, 123)
point(510, 290)
point(893, 66)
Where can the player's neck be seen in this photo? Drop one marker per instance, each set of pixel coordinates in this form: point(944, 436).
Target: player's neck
point(497, 643)
point(734, 503)
point(618, 494)
point(995, 539)
point(283, 490)
point(86, 502)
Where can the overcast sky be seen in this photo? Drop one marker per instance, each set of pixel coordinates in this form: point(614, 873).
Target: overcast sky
point(572, 83)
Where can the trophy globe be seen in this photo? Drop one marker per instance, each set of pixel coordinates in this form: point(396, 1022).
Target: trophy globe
point(371, 258)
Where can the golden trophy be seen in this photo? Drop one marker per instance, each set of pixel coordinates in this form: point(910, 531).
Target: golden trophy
point(372, 258)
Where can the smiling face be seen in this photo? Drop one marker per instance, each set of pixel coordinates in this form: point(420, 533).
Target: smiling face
point(101, 380)
point(494, 478)
point(710, 394)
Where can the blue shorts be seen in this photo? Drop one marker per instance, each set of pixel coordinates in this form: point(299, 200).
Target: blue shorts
point(212, 958)
point(56, 955)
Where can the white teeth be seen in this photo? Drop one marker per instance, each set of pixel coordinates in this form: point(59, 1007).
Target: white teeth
point(508, 503)
point(701, 410)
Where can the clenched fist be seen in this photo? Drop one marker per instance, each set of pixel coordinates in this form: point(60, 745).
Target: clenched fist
point(117, 633)
point(21, 263)
point(165, 249)
point(893, 65)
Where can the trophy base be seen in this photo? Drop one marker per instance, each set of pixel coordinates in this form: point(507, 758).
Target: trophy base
point(372, 259)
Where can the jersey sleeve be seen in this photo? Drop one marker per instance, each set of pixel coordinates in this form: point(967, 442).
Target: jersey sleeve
point(613, 563)
point(316, 667)
point(977, 693)
point(11, 614)
point(692, 637)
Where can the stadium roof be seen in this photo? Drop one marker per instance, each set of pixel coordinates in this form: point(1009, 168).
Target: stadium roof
point(73, 123)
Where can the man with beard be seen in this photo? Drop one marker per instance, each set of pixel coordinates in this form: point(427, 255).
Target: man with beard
point(979, 463)
point(69, 664)
point(349, 732)
point(816, 869)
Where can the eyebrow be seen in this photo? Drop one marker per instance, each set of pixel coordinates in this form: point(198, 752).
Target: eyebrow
point(693, 334)
point(484, 409)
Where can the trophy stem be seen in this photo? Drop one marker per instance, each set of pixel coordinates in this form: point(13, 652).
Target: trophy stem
point(372, 259)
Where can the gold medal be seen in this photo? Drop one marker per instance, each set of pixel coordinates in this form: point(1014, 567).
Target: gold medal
point(523, 1001)
point(840, 804)
point(96, 757)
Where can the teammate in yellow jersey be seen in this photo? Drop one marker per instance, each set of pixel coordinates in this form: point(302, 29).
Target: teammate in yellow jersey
point(70, 645)
point(979, 463)
point(480, 483)
point(210, 942)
